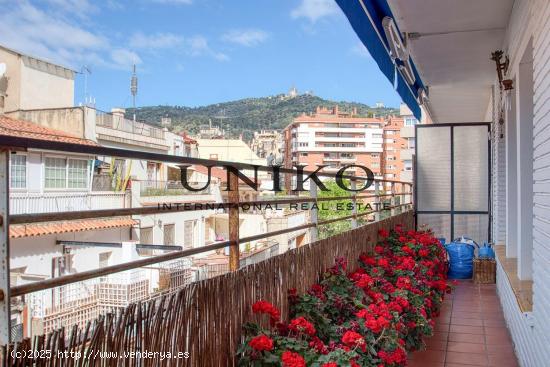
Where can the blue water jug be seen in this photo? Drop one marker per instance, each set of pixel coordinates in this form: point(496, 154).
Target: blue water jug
point(461, 255)
point(486, 251)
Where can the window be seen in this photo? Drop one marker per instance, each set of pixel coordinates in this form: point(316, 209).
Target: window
point(188, 235)
point(303, 144)
point(78, 174)
point(303, 154)
point(390, 132)
point(18, 171)
point(410, 121)
point(410, 143)
point(55, 173)
point(377, 136)
point(61, 173)
point(169, 234)
point(375, 165)
point(146, 236)
point(374, 155)
point(408, 165)
point(214, 156)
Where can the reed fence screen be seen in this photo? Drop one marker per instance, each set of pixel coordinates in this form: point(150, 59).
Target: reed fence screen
point(201, 323)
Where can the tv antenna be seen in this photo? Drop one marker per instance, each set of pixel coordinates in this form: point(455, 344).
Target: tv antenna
point(86, 71)
point(134, 89)
point(222, 116)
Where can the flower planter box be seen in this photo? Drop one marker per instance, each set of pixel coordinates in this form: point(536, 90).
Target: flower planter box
point(485, 271)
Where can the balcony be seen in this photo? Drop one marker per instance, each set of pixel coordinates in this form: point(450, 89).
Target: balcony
point(286, 230)
point(151, 192)
point(114, 128)
point(53, 202)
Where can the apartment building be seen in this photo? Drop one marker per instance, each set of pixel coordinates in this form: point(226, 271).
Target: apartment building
point(266, 143)
point(43, 181)
point(392, 147)
point(399, 144)
point(335, 139)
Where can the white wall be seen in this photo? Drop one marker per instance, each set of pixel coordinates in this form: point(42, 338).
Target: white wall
point(178, 219)
point(34, 83)
point(530, 330)
point(36, 253)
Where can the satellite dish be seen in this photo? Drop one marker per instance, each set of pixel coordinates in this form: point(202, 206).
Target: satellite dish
point(2, 68)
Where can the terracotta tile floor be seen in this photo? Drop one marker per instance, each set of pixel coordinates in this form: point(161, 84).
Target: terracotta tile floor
point(471, 331)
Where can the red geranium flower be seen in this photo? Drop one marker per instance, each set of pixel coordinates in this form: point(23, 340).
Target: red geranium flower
point(301, 325)
point(423, 252)
point(353, 339)
point(264, 307)
point(261, 342)
point(383, 233)
point(291, 359)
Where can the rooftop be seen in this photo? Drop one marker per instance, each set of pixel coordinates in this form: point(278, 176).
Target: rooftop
point(19, 128)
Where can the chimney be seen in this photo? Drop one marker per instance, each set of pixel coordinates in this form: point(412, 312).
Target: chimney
point(335, 110)
point(354, 111)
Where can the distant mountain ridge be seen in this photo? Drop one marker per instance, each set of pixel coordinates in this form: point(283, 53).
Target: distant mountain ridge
point(244, 116)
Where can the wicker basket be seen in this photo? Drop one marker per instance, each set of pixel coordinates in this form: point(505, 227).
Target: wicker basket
point(485, 271)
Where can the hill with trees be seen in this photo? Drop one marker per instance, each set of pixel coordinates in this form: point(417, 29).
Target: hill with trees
point(244, 116)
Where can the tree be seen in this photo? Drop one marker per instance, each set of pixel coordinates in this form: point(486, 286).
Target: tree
point(334, 209)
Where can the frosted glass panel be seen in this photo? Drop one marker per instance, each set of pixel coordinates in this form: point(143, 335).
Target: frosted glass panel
point(433, 170)
point(471, 159)
point(474, 226)
point(439, 223)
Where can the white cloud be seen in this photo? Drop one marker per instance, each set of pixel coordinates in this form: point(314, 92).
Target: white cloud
point(80, 8)
point(155, 41)
point(124, 59)
point(359, 49)
point(246, 37)
point(198, 45)
point(315, 9)
point(31, 30)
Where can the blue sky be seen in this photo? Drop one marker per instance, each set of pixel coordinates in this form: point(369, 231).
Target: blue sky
point(198, 52)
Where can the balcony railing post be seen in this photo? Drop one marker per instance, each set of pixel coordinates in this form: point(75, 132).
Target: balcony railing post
point(392, 199)
point(5, 319)
point(353, 185)
point(233, 196)
point(314, 212)
point(377, 204)
point(411, 196)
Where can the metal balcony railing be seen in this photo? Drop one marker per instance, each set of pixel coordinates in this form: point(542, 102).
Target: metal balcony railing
point(170, 188)
point(398, 195)
point(120, 123)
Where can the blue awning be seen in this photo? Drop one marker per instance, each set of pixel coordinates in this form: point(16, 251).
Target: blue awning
point(365, 16)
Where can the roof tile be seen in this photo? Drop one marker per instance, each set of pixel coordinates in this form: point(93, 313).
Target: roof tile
point(20, 128)
point(42, 229)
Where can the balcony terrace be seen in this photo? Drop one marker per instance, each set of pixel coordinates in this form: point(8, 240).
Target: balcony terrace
point(248, 262)
point(481, 169)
